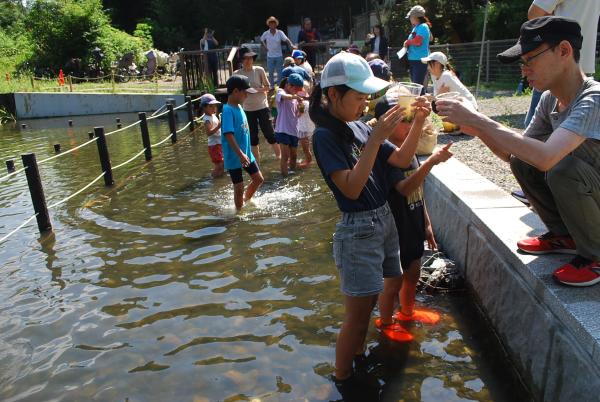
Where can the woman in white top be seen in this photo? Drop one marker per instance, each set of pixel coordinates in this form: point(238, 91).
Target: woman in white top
point(256, 105)
point(443, 77)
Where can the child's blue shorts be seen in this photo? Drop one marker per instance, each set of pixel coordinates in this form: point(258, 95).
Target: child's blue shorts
point(365, 250)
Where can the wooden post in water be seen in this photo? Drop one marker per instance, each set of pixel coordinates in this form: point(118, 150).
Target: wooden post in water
point(190, 112)
point(57, 148)
point(37, 192)
point(91, 134)
point(10, 166)
point(145, 136)
point(172, 123)
point(104, 157)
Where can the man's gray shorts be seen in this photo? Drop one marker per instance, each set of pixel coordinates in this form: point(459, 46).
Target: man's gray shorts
point(365, 250)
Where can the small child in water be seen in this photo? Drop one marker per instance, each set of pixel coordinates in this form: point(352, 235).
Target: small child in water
point(212, 126)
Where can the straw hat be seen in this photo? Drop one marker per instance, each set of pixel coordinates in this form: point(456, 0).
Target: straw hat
point(271, 18)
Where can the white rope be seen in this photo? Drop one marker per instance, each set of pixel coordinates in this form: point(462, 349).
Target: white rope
point(76, 193)
point(161, 142)
point(123, 128)
point(13, 173)
point(129, 160)
point(68, 151)
point(157, 116)
point(19, 227)
point(180, 106)
point(183, 128)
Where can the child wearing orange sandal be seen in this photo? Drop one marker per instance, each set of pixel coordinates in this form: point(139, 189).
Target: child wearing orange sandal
point(412, 221)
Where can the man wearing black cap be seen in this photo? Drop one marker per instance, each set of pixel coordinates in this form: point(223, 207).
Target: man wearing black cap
point(557, 159)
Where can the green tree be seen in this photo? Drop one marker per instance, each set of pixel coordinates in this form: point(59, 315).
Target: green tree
point(143, 30)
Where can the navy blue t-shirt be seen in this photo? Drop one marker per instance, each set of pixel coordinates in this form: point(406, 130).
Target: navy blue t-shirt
point(334, 153)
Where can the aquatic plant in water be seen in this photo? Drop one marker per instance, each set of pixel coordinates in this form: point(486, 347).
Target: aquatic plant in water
point(6, 116)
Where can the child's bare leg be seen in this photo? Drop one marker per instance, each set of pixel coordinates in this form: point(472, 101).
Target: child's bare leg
point(408, 290)
point(285, 156)
point(306, 149)
point(352, 334)
point(257, 181)
point(256, 153)
point(276, 149)
point(218, 170)
point(238, 195)
point(391, 286)
point(293, 157)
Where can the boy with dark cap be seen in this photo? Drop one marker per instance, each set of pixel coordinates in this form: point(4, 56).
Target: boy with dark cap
point(237, 152)
point(557, 159)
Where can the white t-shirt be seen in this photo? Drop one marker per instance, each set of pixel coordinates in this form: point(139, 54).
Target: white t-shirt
point(585, 12)
point(305, 124)
point(273, 42)
point(213, 120)
point(306, 65)
point(451, 81)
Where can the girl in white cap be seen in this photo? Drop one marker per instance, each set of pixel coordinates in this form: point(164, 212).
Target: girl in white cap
point(354, 159)
point(443, 77)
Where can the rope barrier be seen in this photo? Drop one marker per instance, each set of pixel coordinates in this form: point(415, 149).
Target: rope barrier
point(157, 116)
point(67, 152)
point(76, 193)
point(129, 160)
point(180, 106)
point(183, 128)
point(123, 128)
point(19, 227)
point(161, 142)
point(12, 174)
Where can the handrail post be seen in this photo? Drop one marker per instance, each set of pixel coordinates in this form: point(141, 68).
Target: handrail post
point(172, 123)
point(190, 112)
point(10, 166)
point(145, 136)
point(37, 192)
point(104, 156)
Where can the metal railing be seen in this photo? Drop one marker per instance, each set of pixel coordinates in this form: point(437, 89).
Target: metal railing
point(204, 70)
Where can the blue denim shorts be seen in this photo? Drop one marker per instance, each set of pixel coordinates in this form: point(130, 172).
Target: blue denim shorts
point(365, 250)
point(286, 139)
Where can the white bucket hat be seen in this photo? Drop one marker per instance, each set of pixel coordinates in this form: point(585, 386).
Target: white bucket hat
point(437, 56)
point(353, 71)
point(416, 11)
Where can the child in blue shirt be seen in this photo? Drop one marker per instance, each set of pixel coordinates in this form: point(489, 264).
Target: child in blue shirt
point(237, 152)
point(353, 159)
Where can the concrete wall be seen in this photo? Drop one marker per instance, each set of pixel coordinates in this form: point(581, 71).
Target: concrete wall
point(550, 331)
point(31, 105)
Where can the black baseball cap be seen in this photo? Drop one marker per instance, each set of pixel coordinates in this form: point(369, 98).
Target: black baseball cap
point(240, 82)
point(247, 52)
point(549, 29)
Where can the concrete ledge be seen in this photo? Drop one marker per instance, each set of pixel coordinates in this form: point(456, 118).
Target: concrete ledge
point(32, 105)
point(551, 332)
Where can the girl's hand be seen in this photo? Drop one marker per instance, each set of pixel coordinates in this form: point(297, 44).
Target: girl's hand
point(441, 155)
point(405, 44)
point(422, 107)
point(430, 237)
point(387, 123)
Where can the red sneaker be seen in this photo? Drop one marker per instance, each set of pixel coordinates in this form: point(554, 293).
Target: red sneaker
point(419, 314)
point(548, 243)
point(579, 272)
point(394, 332)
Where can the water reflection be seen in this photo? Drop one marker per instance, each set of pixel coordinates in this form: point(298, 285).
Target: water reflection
point(155, 289)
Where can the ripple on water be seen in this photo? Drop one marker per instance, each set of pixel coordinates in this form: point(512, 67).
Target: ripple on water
point(433, 390)
point(207, 231)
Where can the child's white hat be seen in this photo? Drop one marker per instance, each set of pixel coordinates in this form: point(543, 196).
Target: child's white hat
point(437, 56)
point(353, 71)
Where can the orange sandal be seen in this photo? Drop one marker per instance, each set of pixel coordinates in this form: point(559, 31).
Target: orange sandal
point(394, 331)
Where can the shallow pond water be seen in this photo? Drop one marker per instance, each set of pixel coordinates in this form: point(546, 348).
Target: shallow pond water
point(155, 289)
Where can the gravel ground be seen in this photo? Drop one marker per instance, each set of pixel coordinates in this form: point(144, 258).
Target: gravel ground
point(509, 110)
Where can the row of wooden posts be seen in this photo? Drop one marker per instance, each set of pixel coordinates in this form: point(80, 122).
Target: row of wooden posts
point(33, 175)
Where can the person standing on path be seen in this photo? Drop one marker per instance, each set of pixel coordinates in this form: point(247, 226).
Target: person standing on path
point(377, 42)
point(271, 39)
point(557, 159)
point(256, 104)
point(417, 45)
point(586, 13)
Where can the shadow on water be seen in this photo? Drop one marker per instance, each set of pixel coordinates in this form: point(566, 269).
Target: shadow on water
point(155, 289)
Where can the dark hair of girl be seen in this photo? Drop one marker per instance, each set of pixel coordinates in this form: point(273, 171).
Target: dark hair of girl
point(322, 118)
point(381, 30)
point(283, 82)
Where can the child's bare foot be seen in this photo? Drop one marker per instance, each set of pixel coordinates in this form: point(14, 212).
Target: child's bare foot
point(304, 164)
point(421, 315)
